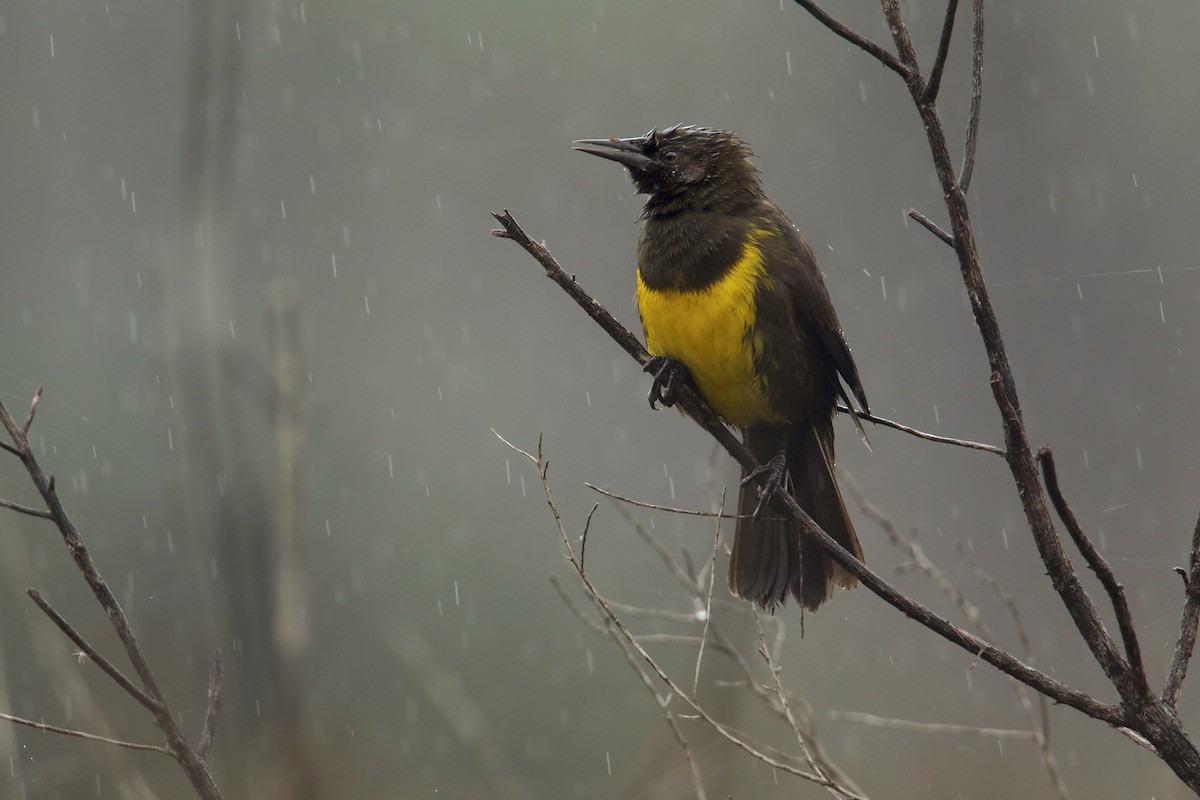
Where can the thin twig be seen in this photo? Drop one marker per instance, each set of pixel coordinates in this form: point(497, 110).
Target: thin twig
point(214, 706)
point(602, 605)
point(1187, 625)
point(931, 226)
point(646, 638)
point(1098, 565)
point(20, 509)
point(839, 785)
point(690, 512)
point(926, 727)
point(939, 63)
point(856, 39)
point(712, 579)
point(658, 614)
point(968, 164)
point(33, 407)
point(44, 726)
point(93, 655)
point(933, 437)
point(587, 525)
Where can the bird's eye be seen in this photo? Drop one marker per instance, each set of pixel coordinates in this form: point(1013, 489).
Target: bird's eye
point(670, 156)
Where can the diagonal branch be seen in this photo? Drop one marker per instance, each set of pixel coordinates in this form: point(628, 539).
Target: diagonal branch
point(92, 737)
point(86, 648)
point(857, 39)
point(931, 226)
point(1098, 565)
point(20, 509)
point(932, 437)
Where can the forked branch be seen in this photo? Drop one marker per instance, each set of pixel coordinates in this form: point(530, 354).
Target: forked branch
point(149, 695)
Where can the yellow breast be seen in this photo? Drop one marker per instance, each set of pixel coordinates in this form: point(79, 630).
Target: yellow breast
point(711, 330)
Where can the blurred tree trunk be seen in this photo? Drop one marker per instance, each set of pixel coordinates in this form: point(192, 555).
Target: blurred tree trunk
point(224, 409)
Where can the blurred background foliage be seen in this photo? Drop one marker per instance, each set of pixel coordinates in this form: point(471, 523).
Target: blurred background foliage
point(165, 163)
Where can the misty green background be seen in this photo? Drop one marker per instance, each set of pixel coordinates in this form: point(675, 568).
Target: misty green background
point(376, 137)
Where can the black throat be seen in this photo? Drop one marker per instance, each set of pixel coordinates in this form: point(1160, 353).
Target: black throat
point(690, 250)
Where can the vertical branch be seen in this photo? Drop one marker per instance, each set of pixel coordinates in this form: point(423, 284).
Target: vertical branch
point(939, 63)
point(1187, 625)
point(968, 165)
point(1019, 452)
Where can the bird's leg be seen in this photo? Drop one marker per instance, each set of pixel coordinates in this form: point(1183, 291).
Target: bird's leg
point(774, 470)
point(669, 374)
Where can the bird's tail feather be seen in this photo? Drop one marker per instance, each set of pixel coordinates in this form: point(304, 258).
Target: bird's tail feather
point(770, 558)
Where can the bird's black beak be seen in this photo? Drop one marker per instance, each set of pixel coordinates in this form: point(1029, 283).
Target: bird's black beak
point(624, 151)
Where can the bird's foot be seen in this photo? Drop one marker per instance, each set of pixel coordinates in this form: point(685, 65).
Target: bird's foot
point(774, 470)
point(669, 374)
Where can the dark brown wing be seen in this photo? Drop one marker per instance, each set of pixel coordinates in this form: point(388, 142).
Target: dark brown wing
point(814, 310)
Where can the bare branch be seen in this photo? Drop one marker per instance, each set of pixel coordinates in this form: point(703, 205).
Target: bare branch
point(91, 652)
point(968, 165)
point(932, 437)
point(150, 695)
point(856, 39)
point(926, 727)
point(611, 618)
point(214, 706)
point(939, 63)
point(931, 226)
point(691, 512)
point(33, 407)
point(1187, 625)
point(840, 784)
point(587, 524)
point(43, 726)
point(904, 47)
point(20, 509)
point(712, 579)
point(1098, 565)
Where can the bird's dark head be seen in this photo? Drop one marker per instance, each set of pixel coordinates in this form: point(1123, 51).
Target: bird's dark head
point(684, 168)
